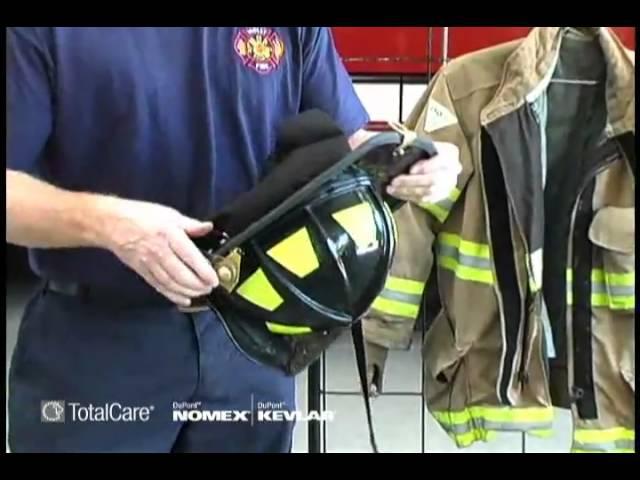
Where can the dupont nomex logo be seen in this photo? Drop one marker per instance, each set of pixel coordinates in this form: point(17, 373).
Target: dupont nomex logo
point(60, 411)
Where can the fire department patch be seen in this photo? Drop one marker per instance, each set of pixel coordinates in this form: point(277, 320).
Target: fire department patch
point(260, 48)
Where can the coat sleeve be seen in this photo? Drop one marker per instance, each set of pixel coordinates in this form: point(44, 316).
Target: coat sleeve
point(392, 318)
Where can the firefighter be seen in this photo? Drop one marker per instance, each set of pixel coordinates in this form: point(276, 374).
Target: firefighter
point(121, 143)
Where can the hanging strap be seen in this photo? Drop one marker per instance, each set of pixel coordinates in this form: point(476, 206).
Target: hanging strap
point(358, 343)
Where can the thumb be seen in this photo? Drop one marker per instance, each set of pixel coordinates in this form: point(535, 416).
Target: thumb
point(195, 228)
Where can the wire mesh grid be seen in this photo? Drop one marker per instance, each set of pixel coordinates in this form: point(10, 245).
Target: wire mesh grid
point(317, 391)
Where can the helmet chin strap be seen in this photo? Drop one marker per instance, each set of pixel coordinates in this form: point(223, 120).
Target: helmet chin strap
point(358, 343)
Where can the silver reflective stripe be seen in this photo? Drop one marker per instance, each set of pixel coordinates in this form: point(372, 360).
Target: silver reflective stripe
point(411, 298)
point(626, 443)
point(605, 446)
point(480, 423)
point(517, 426)
point(615, 290)
point(466, 260)
point(459, 428)
point(445, 204)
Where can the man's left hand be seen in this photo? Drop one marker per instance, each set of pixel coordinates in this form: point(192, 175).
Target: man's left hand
point(429, 181)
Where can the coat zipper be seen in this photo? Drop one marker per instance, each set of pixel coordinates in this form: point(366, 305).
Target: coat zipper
point(604, 165)
point(599, 168)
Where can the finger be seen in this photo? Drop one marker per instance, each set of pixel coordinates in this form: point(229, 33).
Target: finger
point(182, 274)
point(429, 165)
point(435, 195)
point(432, 186)
point(195, 228)
point(410, 181)
point(409, 193)
point(188, 223)
point(191, 256)
point(447, 150)
point(174, 297)
point(171, 296)
point(163, 278)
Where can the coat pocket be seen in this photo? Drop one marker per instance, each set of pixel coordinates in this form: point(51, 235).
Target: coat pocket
point(628, 367)
point(441, 355)
point(613, 232)
point(613, 286)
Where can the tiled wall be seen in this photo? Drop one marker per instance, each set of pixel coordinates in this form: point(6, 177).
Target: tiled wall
point(398, 414)
point(383, 101)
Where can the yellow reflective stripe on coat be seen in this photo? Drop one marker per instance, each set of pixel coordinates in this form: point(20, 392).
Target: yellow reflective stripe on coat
point(615, 291)
point(441, 209)
point(401, 297)
point(258, 290)
point(477, 423)
point(468, 260)
point(604, 440)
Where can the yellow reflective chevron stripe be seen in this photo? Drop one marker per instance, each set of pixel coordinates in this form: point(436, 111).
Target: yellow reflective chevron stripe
point(615, 291)
point(479, 423)
point(359, 222)
point(401, 297)
point(467, 260)
point(441, 209)
point(296, 253)
point(287, 329)
point(611, 440)
point(258, 290)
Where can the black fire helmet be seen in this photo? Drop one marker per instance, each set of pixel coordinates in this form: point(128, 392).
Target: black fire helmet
point(303, 255)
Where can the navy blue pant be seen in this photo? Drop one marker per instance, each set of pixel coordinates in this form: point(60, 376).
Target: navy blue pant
point(99, 358)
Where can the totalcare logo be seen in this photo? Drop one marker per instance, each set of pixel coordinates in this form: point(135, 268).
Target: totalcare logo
point(60, 411)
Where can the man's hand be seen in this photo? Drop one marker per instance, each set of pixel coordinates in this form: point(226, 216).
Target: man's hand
point(151, 239)
point(154, 241)
point(429, 181)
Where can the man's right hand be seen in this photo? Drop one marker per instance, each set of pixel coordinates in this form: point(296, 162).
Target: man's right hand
point(151, 239)
point(154, 241)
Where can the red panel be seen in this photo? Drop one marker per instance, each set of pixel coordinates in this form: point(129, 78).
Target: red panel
point(371, 50)
point(468, 39)
point(375, 50)
point(627, 35)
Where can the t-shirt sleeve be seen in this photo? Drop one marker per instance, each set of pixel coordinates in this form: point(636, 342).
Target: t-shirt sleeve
point(29, 70)
point(326, 82)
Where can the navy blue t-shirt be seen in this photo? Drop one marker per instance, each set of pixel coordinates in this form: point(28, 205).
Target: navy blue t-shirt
point(184, 117)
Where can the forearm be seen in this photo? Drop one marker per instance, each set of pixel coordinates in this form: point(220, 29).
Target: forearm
point(40, 215)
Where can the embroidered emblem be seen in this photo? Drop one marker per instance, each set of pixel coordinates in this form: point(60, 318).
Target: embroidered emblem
point(438, 116)
point(260, 48)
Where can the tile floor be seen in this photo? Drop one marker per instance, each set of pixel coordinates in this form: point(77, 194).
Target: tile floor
point(397, 419)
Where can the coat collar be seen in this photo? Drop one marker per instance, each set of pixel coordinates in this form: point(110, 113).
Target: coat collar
point(530, 67)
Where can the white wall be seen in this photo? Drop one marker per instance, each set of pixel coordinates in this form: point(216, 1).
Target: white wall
point(382, 100)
